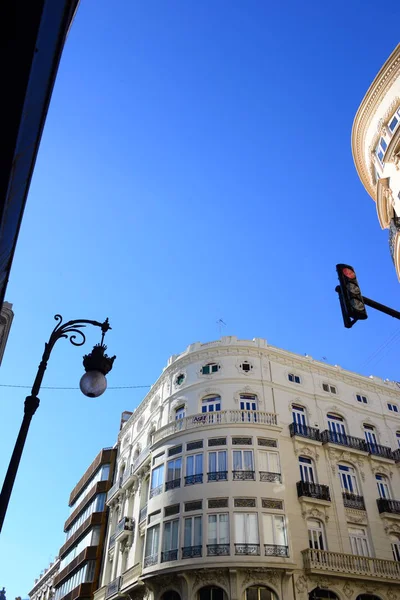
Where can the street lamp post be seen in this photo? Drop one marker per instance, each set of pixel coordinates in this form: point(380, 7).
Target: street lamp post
point(93, 383)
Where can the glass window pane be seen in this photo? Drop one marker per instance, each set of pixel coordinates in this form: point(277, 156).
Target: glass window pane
point(212, 462)
point(237, 460)
point(268, 529)
point(187, 537)
point(222, 461)
point(248, 460)
point(197, 531)
point(224, 529)
point(212, 529)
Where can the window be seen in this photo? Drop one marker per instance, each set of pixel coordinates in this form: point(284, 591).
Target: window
point(268, 462)
point(194, 469)
point(336, 427)
point(274, 532)
point(395, 547)
point(306, 470)
point(299, 418)
point(180, 379)
point(209, 368)
point(331, 389)
point(211, 593)
point(211, 403)
point(248, 402)
point(383, 144)
point(243, 460)
point(246, 366)
point(383, 486)
point(192, 532)
point(393, 407)
point(170, 541)
point(152, 544)
point(217, 465)
point(370, 435)
point(380, 154)
point(260, 593)
point(153, 517)
point(218, 529)
point(180, 413)
point(157, 480)
point(294, 378)
point(398, 438)
point(348, 479)
point(174, 468)
point(316, 535)
point(246, 528)
point(362, 399)
point(359, 541)
point(393, 123)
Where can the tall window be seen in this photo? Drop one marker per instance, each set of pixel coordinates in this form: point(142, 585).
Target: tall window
point(395, 547)
point(348, 479)
point(180, 413)
point(243, 460)
point(218, 530)
point(192, 532)
point(152, 543)
point(174, 468)
point(398, 438)
point(217, 465)
point(316, 534)
point(274, 533)
point(157, 479)
point(211, 403)
point(170, 541)
point(246, 528)
point(260, 593)
point(248, 402)
point(306, 470)
point(299, 415)
point(359, 541)
point(370, 435)
point(268, 462)
point(383, 486)
point(194, 469)
point(336, 426)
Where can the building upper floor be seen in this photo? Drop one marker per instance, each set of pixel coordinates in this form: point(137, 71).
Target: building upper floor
point(43, 588)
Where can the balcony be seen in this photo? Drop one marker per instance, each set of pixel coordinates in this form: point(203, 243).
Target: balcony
point(191, 552)
point(273, 550)
point(270, 477)
point(353, 501)
point(342, 439)
point(150, 561)
point(247, 549)
point(156, 491)
point(388, 506)
point(217, 476)
point(396, 455)
point(343, 565)
point(111, 543)
point(143, 513)
point(171, 485)
point(313, 490)
point(113, 491)
point(218, 550)
point(124, 527)
point(113, 587)
point(243, 475)
point(193, 479)
point(145, 453)
point(394, 242)
point(383, 451)
point(216, 419)
point(311, 433)
point(169, 555)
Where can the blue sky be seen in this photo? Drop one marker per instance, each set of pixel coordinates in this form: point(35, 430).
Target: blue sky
point(195, 165)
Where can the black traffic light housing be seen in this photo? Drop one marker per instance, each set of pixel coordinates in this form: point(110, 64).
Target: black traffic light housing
point(351, 300)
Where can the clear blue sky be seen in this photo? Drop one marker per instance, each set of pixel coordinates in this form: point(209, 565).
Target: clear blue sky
point(195, 164)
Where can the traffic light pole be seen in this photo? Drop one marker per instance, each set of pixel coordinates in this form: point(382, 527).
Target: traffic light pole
point(382, 308)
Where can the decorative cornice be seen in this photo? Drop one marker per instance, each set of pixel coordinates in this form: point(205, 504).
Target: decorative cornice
point(382, 82)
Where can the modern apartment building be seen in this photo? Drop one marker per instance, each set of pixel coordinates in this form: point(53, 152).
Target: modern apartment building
point(376, 148)
point(252, 473)
point(44, 585)
point(81, 555)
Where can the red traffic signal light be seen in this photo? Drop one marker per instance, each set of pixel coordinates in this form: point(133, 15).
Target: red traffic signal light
point(351, 300)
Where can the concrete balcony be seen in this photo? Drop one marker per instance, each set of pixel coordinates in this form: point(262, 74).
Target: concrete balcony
point(124, 528)
point(361, 567)
point(216, 419)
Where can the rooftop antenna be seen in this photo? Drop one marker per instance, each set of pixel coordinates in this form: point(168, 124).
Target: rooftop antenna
point(221, 324)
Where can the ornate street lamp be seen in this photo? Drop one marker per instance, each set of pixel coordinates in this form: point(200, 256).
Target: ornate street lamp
point(93, 383)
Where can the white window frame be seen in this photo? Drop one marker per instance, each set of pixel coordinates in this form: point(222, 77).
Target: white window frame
point(193, 457)
point(393, 407)
point(359, 542)
point(370, 434)
point(213, 368)
point(307, 470)
point(155, 543)
point(248, 399)
point(271, 460)
point(275, 529)
point(348, 479)
point(316, 535)
point(175, 469)
point(217, 461)
point(242, 460)
point(299, 415)
point(210, 403)
point(332, 389)
point(336, 424)
point(160, 476)
point(247, 528)
point(171, 523)
point(396, 548)
point(180, 412)
point(218, 519)
point(383, 486)
point(398, 438)
point(294, 378)
point(194, 519)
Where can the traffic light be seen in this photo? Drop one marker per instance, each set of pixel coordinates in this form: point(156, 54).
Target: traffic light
point(351, 300)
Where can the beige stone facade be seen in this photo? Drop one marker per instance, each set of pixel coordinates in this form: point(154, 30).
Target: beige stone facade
point(44, 585)
point(252, 473)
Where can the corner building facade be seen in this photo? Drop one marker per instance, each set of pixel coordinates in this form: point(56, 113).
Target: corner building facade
point(252, 473)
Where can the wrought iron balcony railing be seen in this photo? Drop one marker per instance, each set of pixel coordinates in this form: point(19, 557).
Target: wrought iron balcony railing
point(271, 477)
point(150, 561)
point(378, 450)
point(143, 513)
point(313, 490)
point(171, 485)
point(125, 524)
point(273, 550)
point(111, 543)
point(388, 506)
point(169, 555)
point(243, 475)
point(191, 552)
point(192, 479)
point(218, 550)
point(113, 587)
point(312, 433)
point(342, 439)
point(248, 549)
point(396, 455)
point(347, 564)
point(353, 501)
point(156, 491)
point(217, 476)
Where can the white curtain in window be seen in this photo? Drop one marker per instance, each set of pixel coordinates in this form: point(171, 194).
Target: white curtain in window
point(359, 541)
point(170, 541)
point(237, 460)
point(248, 460)
point(269, 462)
point(246, 528)
point(224, 529)
point(212, 529)
point(157, 477)
point(153, 536)
point(192, 532)
point(274, 530)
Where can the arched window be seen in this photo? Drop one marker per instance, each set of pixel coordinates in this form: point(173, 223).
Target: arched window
point(383, 486)
point(398, 438)
point(180, 412)
point(395, 539)
point(316, 534)
point(299, 414)
point(248, 402)
point(211, 403)
point(359, 541)
point(322, 594)
point(337, 428)
point(211, 593)
point(170, 596)
point(370, 436)
point(307, 471)
point(260, 593)
point(348, 479)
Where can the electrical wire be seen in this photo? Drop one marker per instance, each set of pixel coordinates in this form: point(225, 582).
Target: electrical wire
point(51, 387)
point(385, 344)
